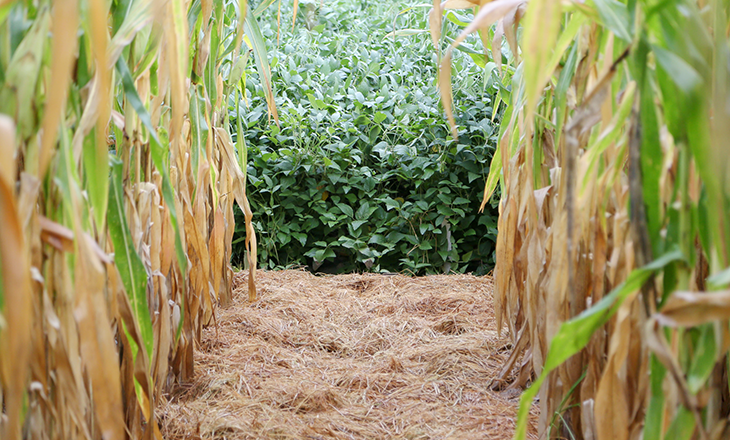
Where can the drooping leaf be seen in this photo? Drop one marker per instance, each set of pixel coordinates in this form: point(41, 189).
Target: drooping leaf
point(258, 43)
point(573, 335)
point(131, 269)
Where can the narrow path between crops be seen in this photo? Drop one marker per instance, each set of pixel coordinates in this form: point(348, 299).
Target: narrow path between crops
point(350, 356)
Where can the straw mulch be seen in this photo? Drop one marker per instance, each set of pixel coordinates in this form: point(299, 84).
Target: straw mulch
point(350, 356)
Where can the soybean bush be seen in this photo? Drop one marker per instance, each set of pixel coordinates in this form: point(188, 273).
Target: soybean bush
point(363, 174)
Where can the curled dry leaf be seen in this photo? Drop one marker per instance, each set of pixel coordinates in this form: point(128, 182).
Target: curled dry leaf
point(459, 4)
point(689, 309)
point(434, 23)
point(57, 235)
point(487, 15)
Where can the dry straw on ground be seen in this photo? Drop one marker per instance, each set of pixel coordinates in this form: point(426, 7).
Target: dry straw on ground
point(350, 356)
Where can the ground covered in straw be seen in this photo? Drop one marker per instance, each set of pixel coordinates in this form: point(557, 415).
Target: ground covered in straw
point(349, 356)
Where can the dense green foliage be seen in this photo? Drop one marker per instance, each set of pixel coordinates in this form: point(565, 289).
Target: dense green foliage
point(363, 174)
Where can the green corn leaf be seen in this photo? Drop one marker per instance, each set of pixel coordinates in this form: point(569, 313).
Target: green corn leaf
point(5, 10)
point(654, 420)
point(120, 13)
point(573, 335)
point(682, 427)
point(614, 16)
point(682, 73)
point(720, 280)
point(193, 14)
point(238, 69)
point(262, 7)
point(251, 28)
point(703, 359)
point(17, 96)
point(495, 173)
point(138, 14)
point(131, 269)
point(567, 36)
point(611, 133)
point(150, 53)
point(240, 138)
point(651, 149)
point(159, 158)
point(198, 125)
point(96, 166)
point(212, 67)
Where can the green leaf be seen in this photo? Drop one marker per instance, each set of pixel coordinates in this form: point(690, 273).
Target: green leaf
point(655, 411)
point(391, 204)
point(262, 7)
point(379, 117)
point(720, 280)
point(260, 52)
point(445, 210)
point(322, 254)
point(363, 212)
point(128, 262)
point(573, 335)
point(96, 166)
point(21, 75)
point(159, 159)
point(346, 209)
point(199, 127)
point(238, 69)
point(682, 426)
point(457, 19)
point(301, 237)
point(681, 72)
point(614, 16)
point(703, 359)
point(5, 10)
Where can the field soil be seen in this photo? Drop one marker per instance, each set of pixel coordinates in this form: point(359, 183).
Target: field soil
point(349, 356)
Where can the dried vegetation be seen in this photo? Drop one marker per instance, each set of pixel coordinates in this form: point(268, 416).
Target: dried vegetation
point(613, 252)
point(349, 356)
point(118, 177)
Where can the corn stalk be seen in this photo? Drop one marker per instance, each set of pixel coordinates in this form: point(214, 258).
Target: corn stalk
point(118, 177)
point(613, 253)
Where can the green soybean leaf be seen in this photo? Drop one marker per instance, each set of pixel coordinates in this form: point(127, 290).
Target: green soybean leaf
point(346, 209)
